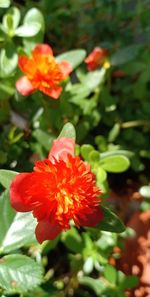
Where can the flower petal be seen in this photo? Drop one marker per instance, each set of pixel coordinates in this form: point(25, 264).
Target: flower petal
point(23, 62)
point(17, 195)
point(42, 49)
point(30, 192)
point(61, 148)
point(24, 86)
point(66, 68)
point(92, 219)
point(54, 93)
point(46, 231)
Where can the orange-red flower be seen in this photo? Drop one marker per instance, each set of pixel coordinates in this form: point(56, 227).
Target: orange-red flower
point(96, 58)
point(61, 188)
point(42, 72)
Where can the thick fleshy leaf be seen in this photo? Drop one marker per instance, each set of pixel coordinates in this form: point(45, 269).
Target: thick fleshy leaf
point(4, 3)
point(110, 222)
point(115, 164)
point(61, 148)
point(11, 20)
point(97, 285)
point(74, 57)
point(20, 233)
point(19, 273)
point(12, 226)
point(94, 78)
point(6, 177)
point(44, 138)
point(110, 274)
point(24, 86)
point(28, 30)
point(34, 15)
point(72, 240)
point(8, 60)
point(125, 55)
point(68, 131)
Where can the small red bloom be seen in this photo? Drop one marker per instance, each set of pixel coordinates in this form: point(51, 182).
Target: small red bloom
point(42, 72)
point(61, 188)
point(96, 58)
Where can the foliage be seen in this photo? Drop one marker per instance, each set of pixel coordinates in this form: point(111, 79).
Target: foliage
point(107, 110)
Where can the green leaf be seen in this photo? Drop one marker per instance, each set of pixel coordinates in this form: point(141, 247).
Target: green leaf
point(28, 30)
point(34, 15)
point(125, 55)
point(110, 274)
point(15, 13)
point(44, 138)
point(74, 57)
point(94, 156)
point(94, 78)
point(101, 175)
point(7, 214)
point(21, 232)
point(115, 164)
point(145, 191)
point(17, 230)
point(114, 132)
point(4, 3)
point(6, 177)
point(97, 285)
point(86, 149)
point(72, 240)
point(19, 273)
point(125, 153)
point(11, 21)
point(68, 130)
point(129, 282)
point(6, 89)
point(110, 222)
point(8, 60)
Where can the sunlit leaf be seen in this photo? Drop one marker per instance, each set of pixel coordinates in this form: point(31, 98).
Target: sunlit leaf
point(68, 131)
point(4, 3)
point(6, 177)
point(115, 164)
point(74, 57)
point(19, 273)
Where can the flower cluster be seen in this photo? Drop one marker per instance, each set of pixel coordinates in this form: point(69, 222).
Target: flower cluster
point(42, 72)
point(61, 188)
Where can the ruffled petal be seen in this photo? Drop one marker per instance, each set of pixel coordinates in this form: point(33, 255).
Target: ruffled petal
point(92, 219)
point(24, 86)
point(66, 68)
point(46, 231)
point(17, 193)
point(54, 93)
point(42, 49)
point(23, 62)
point(61, 148)
point(31, 191)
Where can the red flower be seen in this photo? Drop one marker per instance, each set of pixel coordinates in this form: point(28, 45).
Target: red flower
point(42, 72)
point(61, 188)
point(96, 58)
